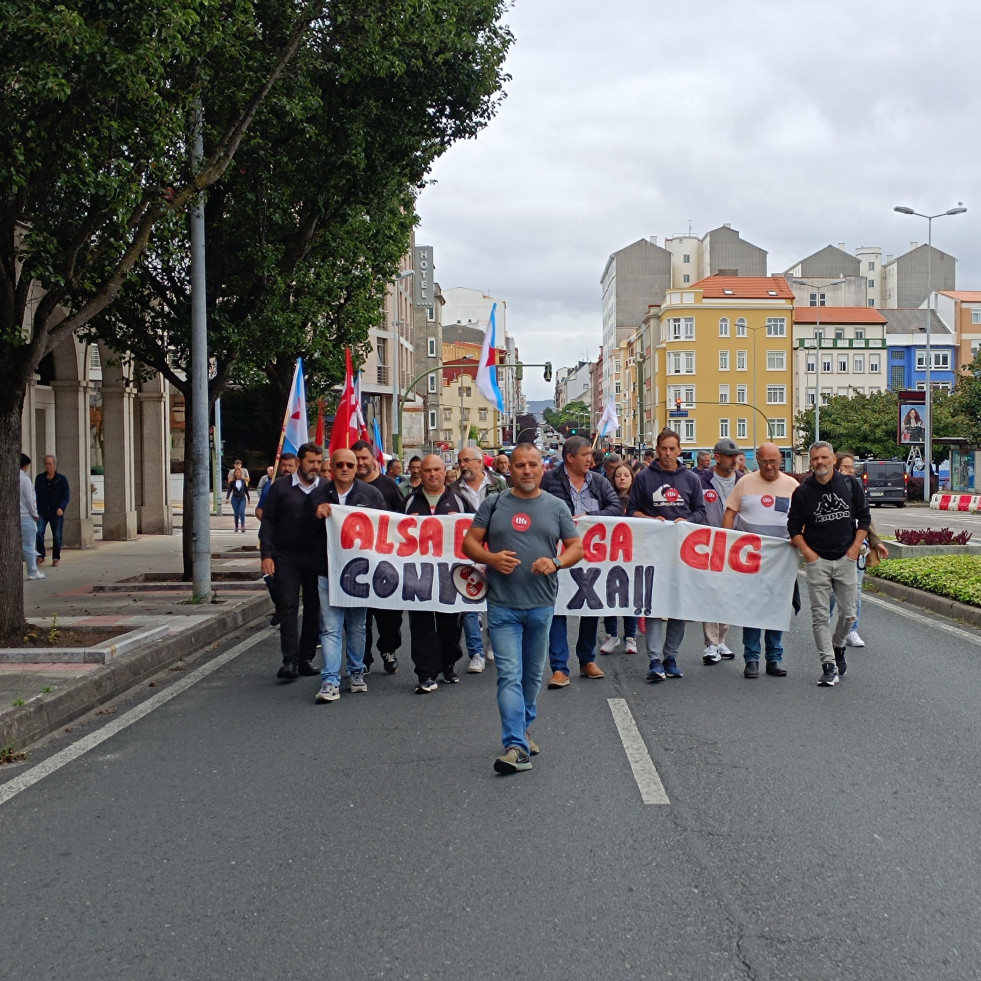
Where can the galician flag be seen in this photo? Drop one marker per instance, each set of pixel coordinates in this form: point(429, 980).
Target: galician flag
point(295, 431)
point(609, 423)
point(487, 369)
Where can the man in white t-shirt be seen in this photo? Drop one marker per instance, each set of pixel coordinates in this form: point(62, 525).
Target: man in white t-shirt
point(760, 504)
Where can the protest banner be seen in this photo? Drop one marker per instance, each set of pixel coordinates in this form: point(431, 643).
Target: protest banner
point(632, 567)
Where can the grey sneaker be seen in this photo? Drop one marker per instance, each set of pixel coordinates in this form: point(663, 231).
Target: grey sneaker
point(426, 685)
point(840, 661)
point(476, 664)
point(829, 676)
point(356, 682)
point(329, 692)
point(513, 760)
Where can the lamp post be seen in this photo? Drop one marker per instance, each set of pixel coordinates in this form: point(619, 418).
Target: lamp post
point(818, 337)
point(928, 394)
point(396, 388)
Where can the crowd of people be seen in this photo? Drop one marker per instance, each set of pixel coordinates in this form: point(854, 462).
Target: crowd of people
point(825, 516)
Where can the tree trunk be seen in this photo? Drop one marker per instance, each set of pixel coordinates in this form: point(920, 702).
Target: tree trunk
point(12, 390)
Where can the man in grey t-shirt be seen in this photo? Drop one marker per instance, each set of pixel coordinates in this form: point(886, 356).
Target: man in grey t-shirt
point(521, 530)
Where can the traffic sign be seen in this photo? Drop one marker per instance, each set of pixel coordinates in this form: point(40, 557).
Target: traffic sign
point(681, 414)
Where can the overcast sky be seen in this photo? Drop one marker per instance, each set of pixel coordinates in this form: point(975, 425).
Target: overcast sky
point(799, 124)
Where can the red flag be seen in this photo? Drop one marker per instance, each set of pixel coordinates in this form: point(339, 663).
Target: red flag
point(346, 431)
point(319, 436)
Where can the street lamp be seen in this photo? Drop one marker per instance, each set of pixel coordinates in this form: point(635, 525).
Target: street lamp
point(396, 388)
point(818, 337)
point(928, 400)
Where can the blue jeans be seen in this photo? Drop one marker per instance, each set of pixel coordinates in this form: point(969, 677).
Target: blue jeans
point(773, 641)
point(57, 529)
point(339, 624)
point(472, 634)
point(238, 509)
point(558, 642)
point(28, 542)
point(629, 626)
point(520, 639)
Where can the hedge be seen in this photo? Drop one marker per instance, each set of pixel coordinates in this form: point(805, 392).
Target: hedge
point(955, 576)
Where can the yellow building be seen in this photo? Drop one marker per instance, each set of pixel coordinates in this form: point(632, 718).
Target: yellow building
point(721, 349)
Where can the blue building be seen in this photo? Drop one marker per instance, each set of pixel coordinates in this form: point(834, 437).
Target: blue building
point(906, 351)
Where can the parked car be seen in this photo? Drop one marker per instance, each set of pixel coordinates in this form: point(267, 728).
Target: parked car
point(885, 482)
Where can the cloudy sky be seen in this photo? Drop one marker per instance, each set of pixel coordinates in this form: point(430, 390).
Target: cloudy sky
point(799, 124)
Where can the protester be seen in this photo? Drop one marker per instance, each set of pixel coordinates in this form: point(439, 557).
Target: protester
point(759, 505)
point(502, 466)
point(435, 637)
point(341, 628)
point(522, 586)
point(387, 622)
point(717, 485)
point(265, 478)
point(828, 522)
point(584, 492)
point(666, 491)
point(610, 462)
point(293, 549)
point(415, 478)
point(623, 479)
point(451, 476)
point(475, 486)
point(326, 473)
point(597, 459)
point(741, 463)
point(287, 467)
point(28, 520)
point(237, 465)
point(394, 470)
point(703, 461)
point(238, 494)
point(53, 494)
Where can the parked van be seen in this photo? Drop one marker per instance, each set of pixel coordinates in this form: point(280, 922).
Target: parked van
point(885, 482)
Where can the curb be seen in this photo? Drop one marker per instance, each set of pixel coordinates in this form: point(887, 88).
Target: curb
point(927, 601)
point(26, 724)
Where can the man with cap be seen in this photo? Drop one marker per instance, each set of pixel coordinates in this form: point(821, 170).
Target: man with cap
point(717, 485)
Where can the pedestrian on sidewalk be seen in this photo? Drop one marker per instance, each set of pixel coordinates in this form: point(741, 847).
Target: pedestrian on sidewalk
point(828, 522)
point(238, 494)
point(28, 519)
point(341, 628)
point(521, 530)
point(53, 494)
point(237, 465)
point(294, 550)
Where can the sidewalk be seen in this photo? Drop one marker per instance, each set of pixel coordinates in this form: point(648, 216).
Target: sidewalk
point(37, 698)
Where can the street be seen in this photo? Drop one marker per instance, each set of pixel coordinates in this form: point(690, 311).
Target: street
point(238, 830)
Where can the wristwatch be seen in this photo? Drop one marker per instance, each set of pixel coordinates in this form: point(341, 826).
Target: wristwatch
point(558, 564)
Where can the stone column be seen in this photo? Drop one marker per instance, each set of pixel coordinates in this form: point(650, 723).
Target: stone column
point(74, 458)
point(119, 518)
point(153, 512)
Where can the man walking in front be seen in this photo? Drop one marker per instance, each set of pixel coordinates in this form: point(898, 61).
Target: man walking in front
point(53, 495)
point(521, 531)
point(828, 522)
point(584, 492)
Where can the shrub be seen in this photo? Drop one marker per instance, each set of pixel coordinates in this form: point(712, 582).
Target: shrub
point(955, 576)
point(931, 536)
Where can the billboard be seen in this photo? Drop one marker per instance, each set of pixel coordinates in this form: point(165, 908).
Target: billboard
point(911, 425)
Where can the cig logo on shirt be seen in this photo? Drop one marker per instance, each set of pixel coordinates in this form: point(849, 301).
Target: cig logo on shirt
point(521, 522)
point(767, 501)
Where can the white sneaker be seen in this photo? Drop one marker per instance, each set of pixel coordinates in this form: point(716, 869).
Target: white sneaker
point(609, 645)
point(724, 652)
point(37, 575)
point(476, 664)
point(489, 654)
point(630, 645)
point(853, 640)
point(711, 655)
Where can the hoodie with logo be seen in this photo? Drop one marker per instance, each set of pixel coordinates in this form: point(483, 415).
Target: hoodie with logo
point(828, 514)
point(668, 494)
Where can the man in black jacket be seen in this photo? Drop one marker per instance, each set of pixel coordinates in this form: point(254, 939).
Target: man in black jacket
point(585, 492)
point(293, 549)
point(828, 522)
point(53, 495)
point(435, 642)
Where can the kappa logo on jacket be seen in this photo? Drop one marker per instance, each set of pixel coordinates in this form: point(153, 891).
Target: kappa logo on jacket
point(831, 508)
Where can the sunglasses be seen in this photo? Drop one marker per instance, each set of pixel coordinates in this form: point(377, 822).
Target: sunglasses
point(344, 466)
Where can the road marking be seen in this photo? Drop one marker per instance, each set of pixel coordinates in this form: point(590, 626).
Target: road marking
point(648, 782)
point(934, 622)
point(70, 753)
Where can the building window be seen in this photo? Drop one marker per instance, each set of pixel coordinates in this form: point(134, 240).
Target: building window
point(432, 383)
point(689, 326)
point(447, 435)
point(689, 396)
point(741, 327)
point(898, 356)
point(724, 327)
point(859, 334)
point(874, 366)
point(689, 434)
point(740, 429)
point(740, 360)
point(431, 314)
point(776, 326)
point(674, 327)
point(811, 400)
point(826, 363)
point(778, 428)
point(689, 362)
point(468, 392)
point(381, 348)
point(839, 333)
point(811, 363)
point(940, 360)
point(871, 284)
point(858, 363)
point(776, 360)
point(776, 394)
point(447, 415)
point(842, 363)
point(871, 303)
point(741, 394)
point(432, 347)
point(871, 267)
point(686, 258)
point(482, 415)
point(674, 362)
point(818, 299)
point(617, 388)
point(466, 414)
point(723, 428)
point(825, 396)
point(724, 394)
point(686, 278)
point(723, 360)
point(897, 378)
point(432, 418)
point(976, 316)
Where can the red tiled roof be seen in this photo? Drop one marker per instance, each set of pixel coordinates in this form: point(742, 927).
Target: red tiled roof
point(965, 296)
point(744, 287)
point(838, 315)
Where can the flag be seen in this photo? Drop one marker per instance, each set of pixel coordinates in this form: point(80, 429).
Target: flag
point(609, 423)
point(318, 437)
point(379, 454)
point(346, 431)
point(362, 425)
point(295, 431)
point(487, 370)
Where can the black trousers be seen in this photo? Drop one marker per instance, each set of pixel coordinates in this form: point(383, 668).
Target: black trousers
point(389, 625)
point(435, 642)
point(297, 644)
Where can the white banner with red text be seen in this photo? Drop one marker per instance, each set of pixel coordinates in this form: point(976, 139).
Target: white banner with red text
point(632, 567)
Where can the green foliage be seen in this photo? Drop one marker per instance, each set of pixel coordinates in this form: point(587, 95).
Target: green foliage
point(965, 403)
point(955, 576)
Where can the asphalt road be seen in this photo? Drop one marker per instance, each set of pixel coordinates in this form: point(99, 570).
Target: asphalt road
point(888, 519)
point(241, 831)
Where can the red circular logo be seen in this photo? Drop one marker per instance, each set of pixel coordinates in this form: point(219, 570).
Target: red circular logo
point(767, 501)
point(521, 522)
point(711, 496)
point(670, 494)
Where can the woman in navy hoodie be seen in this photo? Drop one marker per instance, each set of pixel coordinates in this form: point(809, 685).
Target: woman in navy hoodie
point(666, 491)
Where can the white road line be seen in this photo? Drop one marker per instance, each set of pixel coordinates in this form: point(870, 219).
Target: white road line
point(935, 621)
point(648, 782)
point(54, 763)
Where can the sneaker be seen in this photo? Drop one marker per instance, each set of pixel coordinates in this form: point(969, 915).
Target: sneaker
point(355, 681)
point(711, 654)
point(840, 661)
point(630, 645)
point(37, 575)
point(391, 663)
point(853, 640)
point(329, 692)
point(289, 671)
point(655, 671)
point(476, 664)
point(489, 654)
point(366, 670)
point(426, 685)
point(671, 668)
point(533, 747)
point(752, 669)
point(451, 677)
point(829, 676)
point(609, 645)
point(513, 760)
point(776, 669)
point(725, 653)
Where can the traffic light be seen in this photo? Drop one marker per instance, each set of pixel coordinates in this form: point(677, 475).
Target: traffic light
point(548, 371)
point(572, 432)
point(677, 403)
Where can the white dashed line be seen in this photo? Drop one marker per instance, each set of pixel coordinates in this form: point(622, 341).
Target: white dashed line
point(648, 782)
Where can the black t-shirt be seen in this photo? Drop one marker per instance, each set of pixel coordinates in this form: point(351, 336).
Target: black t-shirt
point(389, 490)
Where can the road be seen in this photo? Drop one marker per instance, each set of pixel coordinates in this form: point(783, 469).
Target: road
point(888, 519)
point(238, 830)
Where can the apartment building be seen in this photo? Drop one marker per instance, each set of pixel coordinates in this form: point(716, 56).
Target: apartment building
point(906, 343)
point(960, 310)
